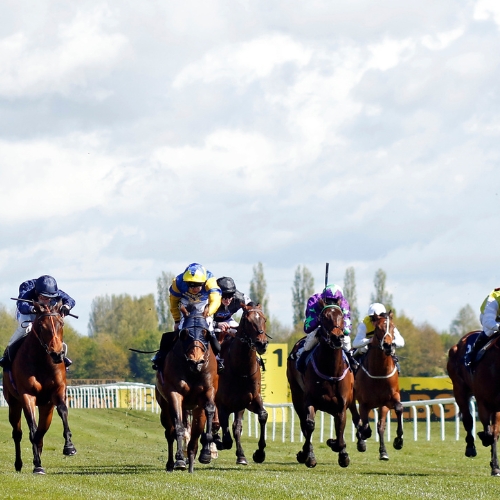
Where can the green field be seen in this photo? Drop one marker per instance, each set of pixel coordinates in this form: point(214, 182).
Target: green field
point(122, 454)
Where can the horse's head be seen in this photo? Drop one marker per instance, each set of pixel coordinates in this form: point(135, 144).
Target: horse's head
point(48, 329)
point(331, 320)
point(383, 336)
point(252, 327)
point(194, 341)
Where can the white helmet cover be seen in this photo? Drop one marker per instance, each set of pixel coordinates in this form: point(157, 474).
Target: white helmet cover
point(377, 309)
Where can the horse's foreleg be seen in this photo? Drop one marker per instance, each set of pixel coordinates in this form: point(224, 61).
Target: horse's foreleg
point(62, 410)
point(206, 438)
point(29, 404)
point(338, 445)
point(197, 426)
point(398, 440)
point(463, 402)
point(227, 440)
point(306, 456)
point(260, 455)
point(17, 433)
point(363, 430)
point(381, 430)
point(237, 428)
point(175, 411)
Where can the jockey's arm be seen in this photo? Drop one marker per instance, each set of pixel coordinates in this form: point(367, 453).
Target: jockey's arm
point(399, 341)
point(174, 299)
point(361, 340)
point(489, 317)
point(214, 296)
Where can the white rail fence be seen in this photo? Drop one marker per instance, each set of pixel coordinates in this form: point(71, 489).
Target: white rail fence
point(283, 423)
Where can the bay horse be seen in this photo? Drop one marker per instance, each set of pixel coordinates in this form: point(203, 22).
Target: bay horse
point(37, 377)
point(187, 381)
point(326, 385)
point(240, 382)
point(483, 382)
point(376, 385)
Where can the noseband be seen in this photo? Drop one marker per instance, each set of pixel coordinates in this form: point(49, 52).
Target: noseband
point(331, 340)
point(38, 336)
point(245, 337)
point(386, 346)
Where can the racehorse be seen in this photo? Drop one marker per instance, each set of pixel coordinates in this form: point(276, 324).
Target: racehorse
point(326, 385)
point(38, 378)
point(188, 380)
point(376, 385)
point(240, 382)
point(484, 384)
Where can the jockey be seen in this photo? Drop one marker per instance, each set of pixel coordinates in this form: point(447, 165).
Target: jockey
point(43, 290)
point(331, 295)
point(231, 302)
point(196, 290)
point(366, 328)
point(490, 321)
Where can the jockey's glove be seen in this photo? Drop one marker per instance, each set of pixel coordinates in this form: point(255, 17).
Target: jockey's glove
point(64, 311)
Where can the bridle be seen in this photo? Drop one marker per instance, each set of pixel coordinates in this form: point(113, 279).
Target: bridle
point(329, 338)
point(44, 345)
point(386, 346)
point(243, 336)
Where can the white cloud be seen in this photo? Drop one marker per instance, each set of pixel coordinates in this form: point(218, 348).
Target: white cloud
point(81, 50)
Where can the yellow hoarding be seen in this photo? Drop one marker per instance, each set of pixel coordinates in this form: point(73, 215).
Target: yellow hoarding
point(274, 381)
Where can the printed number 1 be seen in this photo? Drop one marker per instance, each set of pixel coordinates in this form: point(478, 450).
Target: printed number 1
point(279, 353)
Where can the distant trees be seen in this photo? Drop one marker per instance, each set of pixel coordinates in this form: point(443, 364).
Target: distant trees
point(258, 287)
point(466, 321)
point(351, 296)
point(303, 288)
point(8, 325)
point(165, 319)
point(381, 295)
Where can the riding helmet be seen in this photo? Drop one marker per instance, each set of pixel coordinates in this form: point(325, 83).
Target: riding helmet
point(227, 285)
point(46, 285)
point(195, 273)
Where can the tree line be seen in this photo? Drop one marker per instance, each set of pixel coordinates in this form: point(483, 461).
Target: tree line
point(120, 322)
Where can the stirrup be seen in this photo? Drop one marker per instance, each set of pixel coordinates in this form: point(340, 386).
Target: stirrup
point(220, 366)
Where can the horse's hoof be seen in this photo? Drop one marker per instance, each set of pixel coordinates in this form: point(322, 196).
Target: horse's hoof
point(361, 445)
point(259, 456)
point(311, 462)
point(205, 458)
point(398, 443)
point(301, 457)
point(333, 444)
point(69, 451)
point(470, 451)
point(344, 460)
point(486, 439)
point(227, 444)
point(18, 466)
point(241, 461)
point(383, 456)
point(38, 470)
point(495, 472)
point(180, 465)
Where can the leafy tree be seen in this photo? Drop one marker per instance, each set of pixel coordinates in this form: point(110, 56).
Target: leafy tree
point(276, 330)
point(423, 354)
point(8, 325)
point(166, 321)
point(466, 321)
point(351, 296)
point(303, 288)
point(140, 364)
point(258, 287)
point(381, 295)
point(110, 359)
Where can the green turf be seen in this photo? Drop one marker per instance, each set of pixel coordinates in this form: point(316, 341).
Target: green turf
point(122, 454)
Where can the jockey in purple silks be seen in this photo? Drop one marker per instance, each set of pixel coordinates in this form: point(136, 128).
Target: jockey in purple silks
point(332, 294)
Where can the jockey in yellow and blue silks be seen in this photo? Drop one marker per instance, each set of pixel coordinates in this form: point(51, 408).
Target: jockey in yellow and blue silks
point(195, 288)
point(490, 321)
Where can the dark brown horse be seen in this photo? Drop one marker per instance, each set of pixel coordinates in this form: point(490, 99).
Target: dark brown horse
point(484, 384)
point(240, 382)
point(38, 378)
point(326, 385)
point(376, 385)
point(188, 381)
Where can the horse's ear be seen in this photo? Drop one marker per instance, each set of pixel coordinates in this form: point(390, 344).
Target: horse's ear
point(390, 314)
point(321, 302)
point(39, 308)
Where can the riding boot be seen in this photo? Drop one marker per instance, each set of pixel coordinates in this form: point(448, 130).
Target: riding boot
point(214, 343)
point(220, 364)
point(167, 341)
point(470, 357)
point(5, 361)
point(352, 362)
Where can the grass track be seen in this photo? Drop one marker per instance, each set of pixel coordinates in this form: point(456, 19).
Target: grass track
point(122, 454)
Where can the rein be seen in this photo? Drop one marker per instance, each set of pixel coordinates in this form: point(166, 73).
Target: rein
point(327, 377)
point(51, 315)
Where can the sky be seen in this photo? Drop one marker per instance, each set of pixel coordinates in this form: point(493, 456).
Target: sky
point(138, 137)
